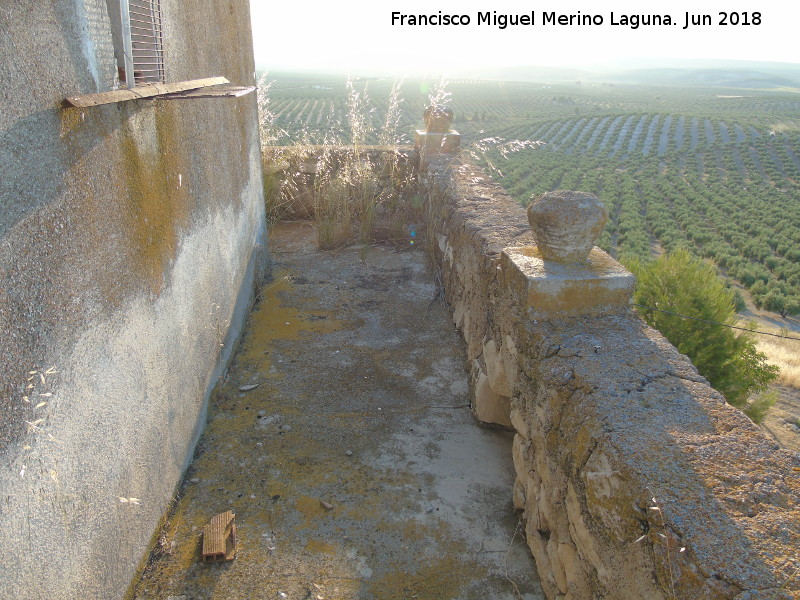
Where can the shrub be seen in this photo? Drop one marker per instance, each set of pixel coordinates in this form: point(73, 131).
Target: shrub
point(758, 407)
point(738, 301)
point(679, 283)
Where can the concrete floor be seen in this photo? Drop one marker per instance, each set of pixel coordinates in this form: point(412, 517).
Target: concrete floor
point(355, 468)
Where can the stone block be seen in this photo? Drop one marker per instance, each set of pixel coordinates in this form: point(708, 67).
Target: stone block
point(570, 562)
point(508, 354)
point(488, 406)
point(501, 365)
point(581, 535)
point(441, 239)
point(458, 313)
point(550, 289)
point(430, 143)
point(518, 494)
point(559, 574)
point(518, 422)
point(519, 454)
point(494, 369)
point(445, 247)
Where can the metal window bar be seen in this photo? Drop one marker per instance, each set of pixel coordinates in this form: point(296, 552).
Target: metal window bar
point(142, 41)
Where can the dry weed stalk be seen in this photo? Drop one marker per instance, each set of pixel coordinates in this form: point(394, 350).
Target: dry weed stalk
point(662, 536)
point(784, 353)
point(352, 192)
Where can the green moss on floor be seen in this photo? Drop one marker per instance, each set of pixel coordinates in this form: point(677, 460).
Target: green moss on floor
point(330, 502)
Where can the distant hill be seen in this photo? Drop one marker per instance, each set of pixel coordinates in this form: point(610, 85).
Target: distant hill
point(532, 73)
point(673, 72)
point(735, 78)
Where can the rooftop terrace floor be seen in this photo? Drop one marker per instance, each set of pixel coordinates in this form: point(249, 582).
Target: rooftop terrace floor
point(355, 468)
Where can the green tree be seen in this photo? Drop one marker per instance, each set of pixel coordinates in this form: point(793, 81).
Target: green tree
point(777, 302)
point(738, 300)
point(679, 283)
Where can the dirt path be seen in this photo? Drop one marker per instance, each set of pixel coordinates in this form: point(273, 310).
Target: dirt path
point(782, 422)
point(354, 468)
point(783, 419)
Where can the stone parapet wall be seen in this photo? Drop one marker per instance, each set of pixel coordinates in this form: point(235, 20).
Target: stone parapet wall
point(634, 477)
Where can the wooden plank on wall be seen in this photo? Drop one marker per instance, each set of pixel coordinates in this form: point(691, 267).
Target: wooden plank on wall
point(218, 91)
point(142, 91)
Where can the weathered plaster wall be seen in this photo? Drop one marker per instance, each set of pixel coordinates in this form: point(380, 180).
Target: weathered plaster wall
point(130, 239)
point(610, 417)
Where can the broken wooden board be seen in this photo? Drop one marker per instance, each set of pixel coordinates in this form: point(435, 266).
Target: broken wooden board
point(149, 90)
point(219, 538)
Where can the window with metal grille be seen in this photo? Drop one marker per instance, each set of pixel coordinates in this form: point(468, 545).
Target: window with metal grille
point(141, 39)
point(136, 35)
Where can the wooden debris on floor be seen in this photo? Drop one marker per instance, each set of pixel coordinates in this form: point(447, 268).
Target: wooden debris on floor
point(219, 538)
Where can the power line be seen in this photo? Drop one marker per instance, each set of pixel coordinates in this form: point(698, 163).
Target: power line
point(785, 337)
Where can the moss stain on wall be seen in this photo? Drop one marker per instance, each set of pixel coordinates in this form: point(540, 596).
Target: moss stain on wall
point(159, 201)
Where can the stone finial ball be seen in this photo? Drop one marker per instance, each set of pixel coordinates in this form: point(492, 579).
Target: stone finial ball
point(566, 224)
point(438, 119)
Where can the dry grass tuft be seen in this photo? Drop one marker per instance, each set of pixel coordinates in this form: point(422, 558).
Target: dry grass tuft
point(783, 353)
point(353, 192)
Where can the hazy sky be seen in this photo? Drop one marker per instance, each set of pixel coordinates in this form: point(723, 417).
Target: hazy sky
point(349, 35)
